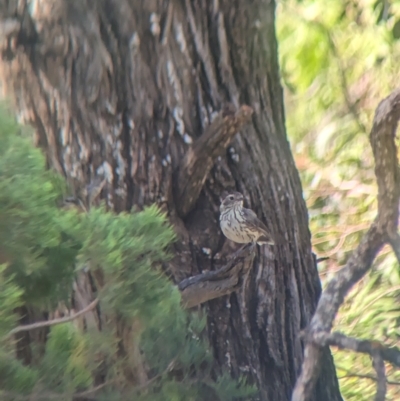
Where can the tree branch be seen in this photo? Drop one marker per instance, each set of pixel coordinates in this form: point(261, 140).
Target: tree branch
point(349, 374)
point(53, 322)
point(384, 228)
point(373, 348)
point(194, 168)
point(379, 366)
point(88, 394)
point(214, 284)
point(389, 354)
point(395, 244)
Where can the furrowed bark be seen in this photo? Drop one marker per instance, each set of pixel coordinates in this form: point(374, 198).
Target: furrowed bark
point(194, 168)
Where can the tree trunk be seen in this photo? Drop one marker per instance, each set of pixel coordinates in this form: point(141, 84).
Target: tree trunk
point(121, 91)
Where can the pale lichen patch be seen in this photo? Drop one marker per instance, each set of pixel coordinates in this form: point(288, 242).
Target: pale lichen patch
point(106, 170)
point(134, 42)
point(180, 125)
point(180, 37)
point(187, 139)
point(155, 24)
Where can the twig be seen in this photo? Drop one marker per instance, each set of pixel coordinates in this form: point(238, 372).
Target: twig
point(389, 354)
point(53, 322)
point(378, 352)
point(45, 395)
point(384, 227)
point(88, 393)
point(214, 274)
point(207, 286)
point(194, 168)
point(169, 368)
point(395, 244)
point(379, 366)
point(349, 374)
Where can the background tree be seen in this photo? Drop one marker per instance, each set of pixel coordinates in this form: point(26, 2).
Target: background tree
point(121, 94)
point(336, 64)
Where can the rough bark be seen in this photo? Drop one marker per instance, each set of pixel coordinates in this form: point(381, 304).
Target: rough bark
point(122, 91)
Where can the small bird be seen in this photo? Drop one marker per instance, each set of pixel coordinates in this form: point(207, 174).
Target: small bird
point(240, 224)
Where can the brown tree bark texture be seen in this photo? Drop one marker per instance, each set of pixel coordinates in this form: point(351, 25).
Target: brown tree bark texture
point(120, 90)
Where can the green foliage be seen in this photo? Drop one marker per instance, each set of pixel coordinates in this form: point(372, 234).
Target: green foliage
point(224, 389)
point(30, 238)
point(65, 364)
point(10, 298)
point(338, 61)
point(177, 342)
point(43, 247)
point(163, 349)
point(14, 376)
point(232, 391)
point(126, 248)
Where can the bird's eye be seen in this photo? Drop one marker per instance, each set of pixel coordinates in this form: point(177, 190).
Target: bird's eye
point(231, 197)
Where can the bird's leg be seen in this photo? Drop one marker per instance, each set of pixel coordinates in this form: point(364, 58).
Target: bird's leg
point(241, 249)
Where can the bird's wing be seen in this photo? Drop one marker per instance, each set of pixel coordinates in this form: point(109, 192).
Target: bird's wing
point(254, 221)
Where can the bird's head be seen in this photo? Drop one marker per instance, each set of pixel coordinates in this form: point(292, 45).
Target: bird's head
point(233, 199)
